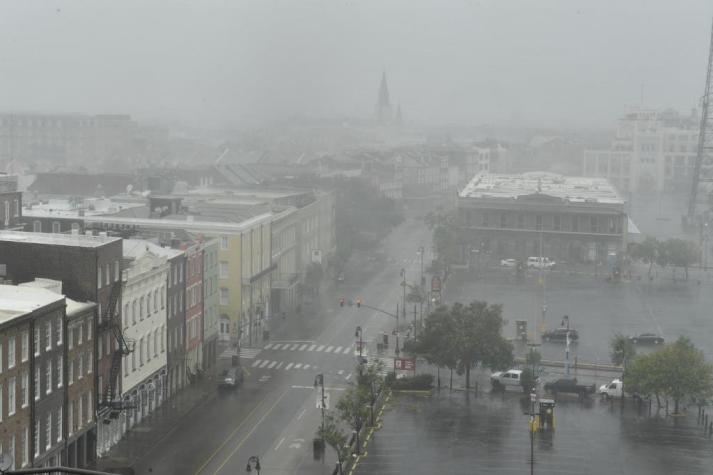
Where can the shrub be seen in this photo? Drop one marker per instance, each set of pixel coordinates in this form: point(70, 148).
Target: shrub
point(418, 382)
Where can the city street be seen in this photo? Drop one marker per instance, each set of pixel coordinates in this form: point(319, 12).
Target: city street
point(274, 414)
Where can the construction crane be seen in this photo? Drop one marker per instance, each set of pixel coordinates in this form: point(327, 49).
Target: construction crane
point(703, 170)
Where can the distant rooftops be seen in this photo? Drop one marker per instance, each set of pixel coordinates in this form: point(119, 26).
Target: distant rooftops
point(61, 208)
point(191, 223)
point(70, 240)
point(568, 188)
point(138, 247)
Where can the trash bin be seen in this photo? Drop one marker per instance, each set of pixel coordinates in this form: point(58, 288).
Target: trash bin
point(317, 448)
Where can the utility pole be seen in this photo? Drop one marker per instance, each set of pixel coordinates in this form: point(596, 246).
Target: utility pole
point(319, 381)
point(403, 284)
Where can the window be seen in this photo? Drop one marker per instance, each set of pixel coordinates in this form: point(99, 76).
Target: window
point(99, 278)
point(148, 305)
point(163, 298)
point(17, 207)
point(24, 345)
point(107, 274)
point(80, 366)
point(133, 312)
point(58, 421)
point(55, 227)
point(70, 372)
point(117, 271)
point(48, 431)
point(48, 377)
point(89, 406)
point(163, 341)
point(224, 242)
point(223, 296)
point(180, 301)
point(60, 372)
point(38, 387)
point(174, 271)
point(48, 335)
point(1, 411)
point(24, 389)
point(223, 269)
point(155, 342)
point(180, 272)
point(11, 352)
point(11, 396)
point(89, 329)
point(594, 224)
point(141, 308)
point(37, 226)
point(80, 333)
point(100, 349)
point(148, 348)
point(141, 351)
point(75, 227)
point(60, 331)
point(70, 418)
point(155, 300)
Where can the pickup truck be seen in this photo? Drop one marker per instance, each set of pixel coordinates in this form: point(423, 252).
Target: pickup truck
point(569, 386)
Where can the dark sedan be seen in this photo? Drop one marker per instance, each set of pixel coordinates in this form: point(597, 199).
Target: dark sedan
point(560, 334)
point(647, 339)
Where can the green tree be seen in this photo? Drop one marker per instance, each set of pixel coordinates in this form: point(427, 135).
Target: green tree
point(680, 253)
point(372, 381)
point(465, 337)
point(352, 409)
point(646, 251)
point(622, 350)
point(334, 436)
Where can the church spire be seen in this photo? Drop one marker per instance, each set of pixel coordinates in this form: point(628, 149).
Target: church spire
point(384, 114)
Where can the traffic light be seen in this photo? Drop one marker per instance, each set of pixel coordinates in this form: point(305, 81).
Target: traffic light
point(358, 303)
point(341, 301)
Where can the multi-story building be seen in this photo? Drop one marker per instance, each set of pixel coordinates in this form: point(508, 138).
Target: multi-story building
point(650, 151)
point(144, 374)
point(89, 268)
point(31, 375)
point(67, 215)
point(541, 214)
point(194, 308)
point(10, 203)
point(211, 313)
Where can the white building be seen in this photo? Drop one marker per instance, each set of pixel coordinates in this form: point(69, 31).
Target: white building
point(143, 373)
point(650, 151)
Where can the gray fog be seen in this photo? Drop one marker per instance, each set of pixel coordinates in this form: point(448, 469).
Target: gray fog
point(232, 63)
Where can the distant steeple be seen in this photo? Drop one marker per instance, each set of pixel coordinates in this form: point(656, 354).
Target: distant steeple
point(383, 111)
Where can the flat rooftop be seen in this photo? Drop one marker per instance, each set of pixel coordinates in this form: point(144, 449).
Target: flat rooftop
point(568, 188)
point(138, 247)
point(64, 209)
point(53, 239)
point(189, 223)
point(16, 301)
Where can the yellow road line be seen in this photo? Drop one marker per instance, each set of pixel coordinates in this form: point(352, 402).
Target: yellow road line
point(240, 444)
point(227, 439)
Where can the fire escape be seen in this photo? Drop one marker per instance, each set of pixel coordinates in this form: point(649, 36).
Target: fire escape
point(111, 321)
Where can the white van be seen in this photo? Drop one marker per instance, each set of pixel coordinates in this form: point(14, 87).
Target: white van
point(540, 263)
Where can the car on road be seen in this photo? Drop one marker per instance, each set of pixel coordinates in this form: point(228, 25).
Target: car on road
point(508, 263)
point(231, 378)
point(569, 386)
point(647, 339)
point(612, 389)
point(560, 334)
point(511, 378)
point(540, 263)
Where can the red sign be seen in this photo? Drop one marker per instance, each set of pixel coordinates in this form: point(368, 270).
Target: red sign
point(359, 344)
point(407, 364)
point(436, 283)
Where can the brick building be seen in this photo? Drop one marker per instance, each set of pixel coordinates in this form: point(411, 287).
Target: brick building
point(10, 203)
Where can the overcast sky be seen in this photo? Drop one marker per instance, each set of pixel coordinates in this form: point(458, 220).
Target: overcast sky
point(227, 63)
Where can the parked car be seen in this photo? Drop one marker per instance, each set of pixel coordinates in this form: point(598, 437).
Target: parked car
point(647, 339)
point(540, 263)
point(560, 334)
point(569, 386)
point(508, 262)
point(511, 378)
point(231, 378)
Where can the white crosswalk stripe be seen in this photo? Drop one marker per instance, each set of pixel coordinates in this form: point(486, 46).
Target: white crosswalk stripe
point(298, 365)
point(257, 362)
point(302, 348)
point(347, 349)
point(305, 366)
point(280, 365)
point(294, 347)
point(340, 372)
point(268, 346)
point(265, 363)
point(329, 348)
point(320, 348)
point(288, 366)
point(338, 349)
point(277, 346)
point(272, 365)
point(311, 347)
point(249, 353)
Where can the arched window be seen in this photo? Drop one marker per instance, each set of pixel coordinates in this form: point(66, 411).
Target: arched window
point(163, 297)
point(155, 342)
point(148, 305)
point(155, 300)
point(141, 308)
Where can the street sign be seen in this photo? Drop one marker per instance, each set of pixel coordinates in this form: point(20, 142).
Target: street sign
point(326, 400)
point(407, 364)
point(359, 344)
point(436, 283)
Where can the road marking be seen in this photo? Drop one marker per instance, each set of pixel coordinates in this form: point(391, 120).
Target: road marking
point(288, 366)
point(272, 365)
point(301, 414)
point(312, 347)
point(302, 348)
point(348, 376)
point(257, 362)
point(265, 363)
point(279, 443)
point(294, 347)
point(320, 347)
point(277, 347)
point(298, 365)
point(227, 439)
point(338, 349)
point(347, 350)
point(340, 372)
point(296, 386)
point(240, 444)
point(268, 346)
point(329, 348)
point(306, 366)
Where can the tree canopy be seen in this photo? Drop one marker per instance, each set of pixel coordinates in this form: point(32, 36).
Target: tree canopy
point(462, 337)
point(676, 253)
point(623, 350)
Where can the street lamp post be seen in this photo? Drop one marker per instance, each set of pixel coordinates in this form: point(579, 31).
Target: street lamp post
point(359, 333)
point(253, 462)
point(319, 381)
point(565, 323)
point(403, 284)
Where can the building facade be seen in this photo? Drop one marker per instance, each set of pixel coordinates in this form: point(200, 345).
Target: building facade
point(540, 214)
point(211, 319)
point(10, 203)
point(194, 309)
point(650, 151)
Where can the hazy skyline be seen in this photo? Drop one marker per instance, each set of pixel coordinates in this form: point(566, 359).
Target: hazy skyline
point(232, 63)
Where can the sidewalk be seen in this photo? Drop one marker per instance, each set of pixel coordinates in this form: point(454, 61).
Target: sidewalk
point(143, 437)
